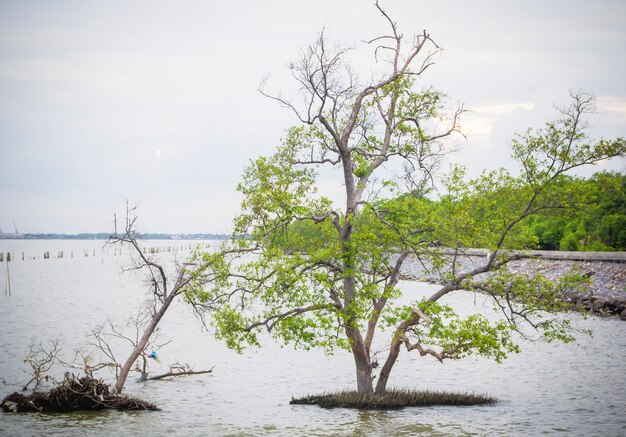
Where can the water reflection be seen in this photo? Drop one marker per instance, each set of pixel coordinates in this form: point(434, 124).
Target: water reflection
point(376, 423)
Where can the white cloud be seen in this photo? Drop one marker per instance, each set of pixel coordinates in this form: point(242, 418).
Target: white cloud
point(480, 121)
point(614, 107)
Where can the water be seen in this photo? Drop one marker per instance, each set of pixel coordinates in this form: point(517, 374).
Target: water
point(548, 389)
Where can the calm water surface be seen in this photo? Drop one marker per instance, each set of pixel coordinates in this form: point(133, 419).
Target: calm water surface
point(549, 389)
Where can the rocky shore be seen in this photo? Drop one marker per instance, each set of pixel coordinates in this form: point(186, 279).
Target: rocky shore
point(605, 295)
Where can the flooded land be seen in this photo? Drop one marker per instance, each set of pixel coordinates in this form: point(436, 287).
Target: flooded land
point(548, 388)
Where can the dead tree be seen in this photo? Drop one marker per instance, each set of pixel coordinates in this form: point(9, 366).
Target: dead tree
point(41, 359)
point(163, 292)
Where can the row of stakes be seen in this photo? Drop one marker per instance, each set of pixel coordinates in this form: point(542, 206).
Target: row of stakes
point(8, 256)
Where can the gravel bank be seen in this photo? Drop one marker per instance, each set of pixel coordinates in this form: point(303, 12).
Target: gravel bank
point(606, 293)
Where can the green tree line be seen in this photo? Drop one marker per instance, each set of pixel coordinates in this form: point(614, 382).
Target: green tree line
point(600, 225)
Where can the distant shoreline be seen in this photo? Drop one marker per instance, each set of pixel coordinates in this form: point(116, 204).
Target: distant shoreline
point(106, 236)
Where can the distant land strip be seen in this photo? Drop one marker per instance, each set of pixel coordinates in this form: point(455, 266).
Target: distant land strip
point(105, 236)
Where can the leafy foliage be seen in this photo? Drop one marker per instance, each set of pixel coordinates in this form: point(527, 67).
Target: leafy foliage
point(599, 223)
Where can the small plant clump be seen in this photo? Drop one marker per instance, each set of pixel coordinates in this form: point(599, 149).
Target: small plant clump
point(73, 394)
point(394, 399)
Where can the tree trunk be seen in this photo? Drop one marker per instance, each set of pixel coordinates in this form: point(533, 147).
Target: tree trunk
point(363, 376)
point(362, 361)
point(383, 377)
point(360, 352)
point(121, 380)
point(394, 349)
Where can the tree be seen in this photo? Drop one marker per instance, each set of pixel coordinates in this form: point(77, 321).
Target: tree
point(599, 225)
point(337, 286)
point(41, 358)
point(162, 293)
point(102, 337)
point(607, 218)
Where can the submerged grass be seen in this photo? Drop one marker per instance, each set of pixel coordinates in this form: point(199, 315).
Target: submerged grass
point(394, 399)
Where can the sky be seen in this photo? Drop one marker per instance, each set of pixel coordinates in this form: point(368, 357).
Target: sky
point(157, 102)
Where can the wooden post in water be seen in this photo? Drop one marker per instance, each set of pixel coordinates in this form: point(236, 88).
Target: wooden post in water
point(1, 257)
point(7, 288)
point(8, 256)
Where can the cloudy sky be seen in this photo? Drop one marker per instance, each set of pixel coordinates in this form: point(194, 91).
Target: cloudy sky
point(156, 102)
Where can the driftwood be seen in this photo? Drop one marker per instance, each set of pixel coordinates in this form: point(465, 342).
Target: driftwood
point(179, 373)
point(73, 395)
